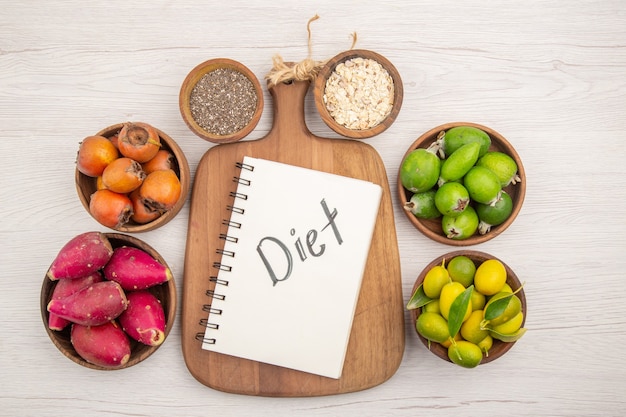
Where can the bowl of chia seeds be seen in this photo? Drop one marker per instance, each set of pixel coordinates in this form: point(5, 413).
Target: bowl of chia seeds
point(221, 100)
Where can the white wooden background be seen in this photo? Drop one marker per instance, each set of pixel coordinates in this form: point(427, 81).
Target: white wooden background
point(549, 75)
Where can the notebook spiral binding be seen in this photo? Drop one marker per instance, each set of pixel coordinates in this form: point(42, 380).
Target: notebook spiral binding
point(221, 266)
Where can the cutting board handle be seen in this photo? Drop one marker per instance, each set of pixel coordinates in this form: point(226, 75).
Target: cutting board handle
point(289, 126)
point(377, 339)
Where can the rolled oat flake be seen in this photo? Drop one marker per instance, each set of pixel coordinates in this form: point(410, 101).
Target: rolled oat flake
point(223, 101)
point(359, 93)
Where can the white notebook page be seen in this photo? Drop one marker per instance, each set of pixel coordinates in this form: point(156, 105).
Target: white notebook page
point(294, 279)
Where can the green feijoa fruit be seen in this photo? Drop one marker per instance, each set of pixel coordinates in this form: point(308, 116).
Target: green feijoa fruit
point(433, 327)
point(502, 165)
point(462, 226)
point(422, 205)
point(483, 185)
point(451, 199)
point(494, 215)
point(420, 170)
point(456, 165)
point(465, 354)
point(461, 135)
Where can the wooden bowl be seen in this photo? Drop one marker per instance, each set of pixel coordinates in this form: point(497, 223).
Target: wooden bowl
point(320, 87)
point(86, 186)
point(192, 80)
point(165, 292)
point(499, 348)
point(432, 227)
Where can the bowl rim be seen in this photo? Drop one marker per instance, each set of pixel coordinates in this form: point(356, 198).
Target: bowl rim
point(190, 82)
point(476, 238)
point(117, 240)
point(320, 86)
point(184, 176)
point(512, 279)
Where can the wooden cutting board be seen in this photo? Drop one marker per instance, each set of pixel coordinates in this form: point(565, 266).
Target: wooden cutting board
point(377, 339)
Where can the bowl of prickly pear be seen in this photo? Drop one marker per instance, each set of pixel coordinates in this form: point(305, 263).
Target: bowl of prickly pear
point(131, 177)
point(468, 308)
point(108, 300)
point(461, 183)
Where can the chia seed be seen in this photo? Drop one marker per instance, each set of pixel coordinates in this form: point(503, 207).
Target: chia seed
point(223, 101)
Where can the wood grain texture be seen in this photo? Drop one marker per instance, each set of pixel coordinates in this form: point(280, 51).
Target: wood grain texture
point(376, 342)
point(549, 76)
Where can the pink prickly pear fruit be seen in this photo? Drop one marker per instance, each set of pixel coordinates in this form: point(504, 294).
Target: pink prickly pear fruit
point(81, 256)
point(105, 345)
point(144, 319)
point(135, 269)
point(93, 305)
point(66, 287)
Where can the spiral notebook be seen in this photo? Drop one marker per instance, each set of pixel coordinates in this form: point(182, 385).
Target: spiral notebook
point(294, 255)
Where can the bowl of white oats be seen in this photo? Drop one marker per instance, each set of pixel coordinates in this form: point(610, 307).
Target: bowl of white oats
point(358, 93)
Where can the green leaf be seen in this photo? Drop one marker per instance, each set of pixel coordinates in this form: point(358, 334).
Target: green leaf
point(508, 337)
point(418, 299)
point(497, 307)
point(458, 310)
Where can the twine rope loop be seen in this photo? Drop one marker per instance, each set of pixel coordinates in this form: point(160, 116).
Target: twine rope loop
point(305, 70)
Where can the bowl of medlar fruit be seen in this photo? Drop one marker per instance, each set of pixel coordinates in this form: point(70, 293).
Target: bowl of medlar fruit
point(131, 177)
